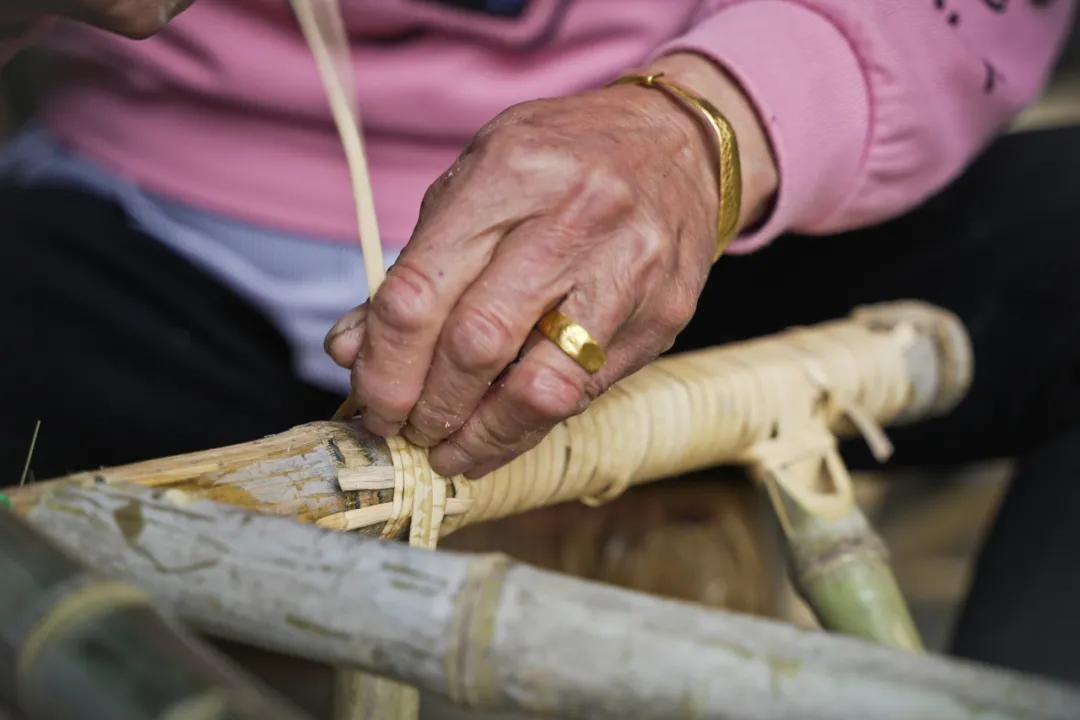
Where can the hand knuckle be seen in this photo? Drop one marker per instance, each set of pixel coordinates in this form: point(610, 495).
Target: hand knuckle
point(481, 339)
point(406, 299)
point(675, 313)
point(431, 195)
point(606, 190)
point(388, 400)
point(597, 385)
point(649, 247)
point(513, 115)
point(487, 439)
point(434, 420)
point(551, 394)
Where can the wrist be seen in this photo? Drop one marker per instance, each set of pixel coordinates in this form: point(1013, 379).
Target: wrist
point(705, 78)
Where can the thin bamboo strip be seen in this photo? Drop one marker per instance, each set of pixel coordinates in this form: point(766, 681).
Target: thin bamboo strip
point(359, 697)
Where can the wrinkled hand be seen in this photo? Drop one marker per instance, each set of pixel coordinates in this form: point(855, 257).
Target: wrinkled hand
point(603, 205)
point(132, 18)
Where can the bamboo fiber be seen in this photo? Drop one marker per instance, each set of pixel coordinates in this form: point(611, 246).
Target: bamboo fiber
point(495, 635)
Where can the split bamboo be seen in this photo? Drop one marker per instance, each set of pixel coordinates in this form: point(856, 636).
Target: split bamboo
point(495, 635)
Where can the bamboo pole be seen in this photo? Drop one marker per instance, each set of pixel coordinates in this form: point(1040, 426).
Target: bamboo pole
point(80, 647)
point(496, 635)
point(840, 565)
point(682, 413)
point(773, 403)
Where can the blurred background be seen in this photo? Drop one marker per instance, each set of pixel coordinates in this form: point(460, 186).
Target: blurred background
point(708, 538)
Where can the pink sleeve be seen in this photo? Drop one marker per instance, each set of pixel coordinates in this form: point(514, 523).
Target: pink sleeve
point(874, 105)
point(11, 44)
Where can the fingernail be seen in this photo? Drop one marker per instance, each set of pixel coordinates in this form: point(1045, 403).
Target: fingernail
point(334, 334)
point(449, 460)
point(484, 469)
point(417, 437)
point(328, 340)
point(349, 321)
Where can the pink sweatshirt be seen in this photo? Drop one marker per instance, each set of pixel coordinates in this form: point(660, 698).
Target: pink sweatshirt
point(871, 105)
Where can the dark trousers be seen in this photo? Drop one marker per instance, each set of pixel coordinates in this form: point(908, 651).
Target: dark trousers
point(126, 352)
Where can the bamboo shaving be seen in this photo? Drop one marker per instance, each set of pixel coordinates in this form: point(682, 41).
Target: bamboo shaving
point(324, 31)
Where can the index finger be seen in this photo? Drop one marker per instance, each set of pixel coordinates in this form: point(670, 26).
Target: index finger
point(450, 248)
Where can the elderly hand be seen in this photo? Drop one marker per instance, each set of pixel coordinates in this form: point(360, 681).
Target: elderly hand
point(133, 18)
point(603, 205)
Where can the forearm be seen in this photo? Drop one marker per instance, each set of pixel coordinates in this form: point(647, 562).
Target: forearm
point(871, 107)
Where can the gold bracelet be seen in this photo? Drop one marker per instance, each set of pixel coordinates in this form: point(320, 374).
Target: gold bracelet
point(730, 172)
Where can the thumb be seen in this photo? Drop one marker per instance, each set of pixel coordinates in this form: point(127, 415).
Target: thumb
point(343, 341)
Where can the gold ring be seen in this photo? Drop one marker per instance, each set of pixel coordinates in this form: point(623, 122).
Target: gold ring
point(573, 340)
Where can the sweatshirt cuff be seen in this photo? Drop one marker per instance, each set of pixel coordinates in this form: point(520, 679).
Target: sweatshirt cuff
point(811, 94)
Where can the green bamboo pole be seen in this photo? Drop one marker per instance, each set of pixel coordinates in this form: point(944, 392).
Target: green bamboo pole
point(839, 564)
point(76, 646)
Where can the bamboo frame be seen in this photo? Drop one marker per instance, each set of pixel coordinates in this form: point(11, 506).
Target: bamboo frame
point(495, 635)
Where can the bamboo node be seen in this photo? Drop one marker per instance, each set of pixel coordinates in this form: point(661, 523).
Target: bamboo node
point(841, 550)
point(470, 672)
